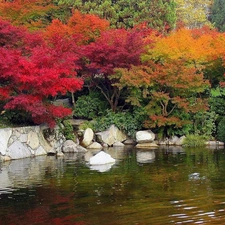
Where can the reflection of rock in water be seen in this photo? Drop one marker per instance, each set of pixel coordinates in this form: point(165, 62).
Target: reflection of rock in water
point(173, 149)
point(102, 168)
point(145, 156)
point(195, 176)
point(23, 172)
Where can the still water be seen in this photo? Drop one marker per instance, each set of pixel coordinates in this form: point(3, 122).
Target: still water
point(163, 186)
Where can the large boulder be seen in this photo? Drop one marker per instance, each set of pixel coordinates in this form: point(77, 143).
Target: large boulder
point(88, 136)
point(145, 136)
point(111, 135)
point(69, 146)
point(72, 147)
point(101, 158)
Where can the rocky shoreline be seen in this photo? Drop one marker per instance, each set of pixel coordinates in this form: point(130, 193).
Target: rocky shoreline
point(23, 142)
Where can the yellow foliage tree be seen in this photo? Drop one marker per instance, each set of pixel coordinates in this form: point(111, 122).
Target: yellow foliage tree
point(193, 13)
point(195, 46)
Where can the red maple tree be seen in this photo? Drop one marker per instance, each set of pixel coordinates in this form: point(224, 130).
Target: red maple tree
point(34, 72)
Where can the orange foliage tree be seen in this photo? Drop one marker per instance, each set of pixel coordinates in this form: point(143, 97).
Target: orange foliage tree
point(84, 27)
point(33, 14)
point(170, 84)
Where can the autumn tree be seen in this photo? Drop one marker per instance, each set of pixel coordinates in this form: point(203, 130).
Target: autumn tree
point(167, 92)
point(33, 14)
point(170, 85)
point(193, 13)
point(32, 74)
point(84, 28)
point(115, 48)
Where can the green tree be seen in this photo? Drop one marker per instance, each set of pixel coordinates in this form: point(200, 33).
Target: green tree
point(218, 14)
point(158, 14)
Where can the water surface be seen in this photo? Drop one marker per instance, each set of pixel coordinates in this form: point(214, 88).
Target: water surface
point(164, 186)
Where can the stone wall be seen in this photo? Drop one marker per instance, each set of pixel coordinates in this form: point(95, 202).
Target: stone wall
point(23, 142)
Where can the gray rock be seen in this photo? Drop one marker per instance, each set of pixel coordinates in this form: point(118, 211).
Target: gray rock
point(129, 142)
point(69, 146)
point(111, 135)
point(81, 149)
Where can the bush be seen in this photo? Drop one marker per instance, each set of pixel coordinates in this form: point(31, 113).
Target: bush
point(66, 129)
point(126, 121)
point(221, 130)
point(90, 106)
point(16, 118)
point(193, 140)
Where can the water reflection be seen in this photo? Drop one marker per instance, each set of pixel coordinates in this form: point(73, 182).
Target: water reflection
point(163, 186)
point(145, 156)
point(102, 168)
point(29, 171)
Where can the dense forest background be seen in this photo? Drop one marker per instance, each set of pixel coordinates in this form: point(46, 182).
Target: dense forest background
point(155, 64)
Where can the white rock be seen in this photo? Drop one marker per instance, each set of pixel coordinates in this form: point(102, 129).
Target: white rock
point(4, 138)
point(101, 158)
point(18, 151)
point(88, 137)
point(95, 145)
point(40, 151)
point(145, 136)
point(33, 140)
point(118, 144)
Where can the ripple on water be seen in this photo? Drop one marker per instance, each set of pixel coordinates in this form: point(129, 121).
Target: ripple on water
point(197, 212)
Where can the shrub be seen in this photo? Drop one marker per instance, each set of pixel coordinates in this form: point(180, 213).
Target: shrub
point(66, 129)
point(221, 130)
point(193, 140)
point(125, 121)
point(90, 106)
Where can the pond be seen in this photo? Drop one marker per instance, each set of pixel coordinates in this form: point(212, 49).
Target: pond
point(163, 186)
